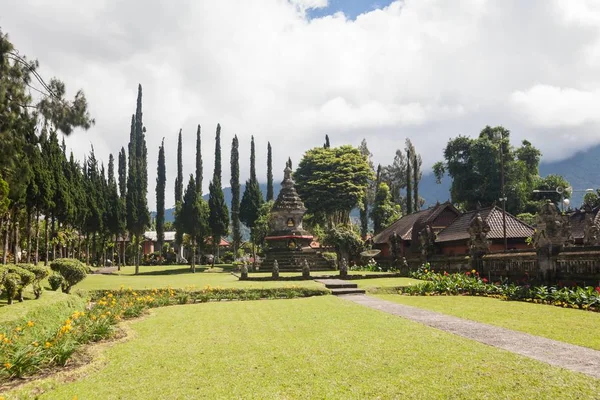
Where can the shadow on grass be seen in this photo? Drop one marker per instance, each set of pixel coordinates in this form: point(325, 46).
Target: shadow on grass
point(174, 271)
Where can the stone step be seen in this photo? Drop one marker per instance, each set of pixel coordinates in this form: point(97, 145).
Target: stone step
point(341, 291)
point(337, 284)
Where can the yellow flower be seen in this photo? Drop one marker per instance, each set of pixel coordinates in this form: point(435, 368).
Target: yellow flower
point(35, 344)
point(30, 324)
point(7, 365)
point(18, 329)
point(473, 271)
point(48, 344)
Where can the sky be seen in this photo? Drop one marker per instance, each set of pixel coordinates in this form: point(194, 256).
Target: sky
point(291, 71)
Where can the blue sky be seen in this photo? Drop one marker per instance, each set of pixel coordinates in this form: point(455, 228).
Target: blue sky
point(351, 8)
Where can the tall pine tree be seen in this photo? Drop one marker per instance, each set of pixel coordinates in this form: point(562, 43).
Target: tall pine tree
point(269, 172)
point(191, 218)
point(235, 195)
point(252, 199)
point(198, 162)
point(179, 179)
point(219, 214)
point(409, 202)
point(138, 217)
point(161, 181)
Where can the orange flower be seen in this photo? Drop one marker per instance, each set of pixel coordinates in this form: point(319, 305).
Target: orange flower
point(30, 324)
point(7, 365)
point(48, 345)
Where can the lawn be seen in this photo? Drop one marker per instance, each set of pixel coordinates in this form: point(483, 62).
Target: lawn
point(305, 348)
point(567, 325)
point(175, 277)
point(385, 282)
point(18, 310)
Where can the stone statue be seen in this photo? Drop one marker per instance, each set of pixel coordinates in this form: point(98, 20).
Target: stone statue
point(344, 268)
point(478, 231)
point(275, 269)
point(244, 271)
point(305, 269)
point(395, 246)
point(553, 229)
point(426, 241)
point(591, 231)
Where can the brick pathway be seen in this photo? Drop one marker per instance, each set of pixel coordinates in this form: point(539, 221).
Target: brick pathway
point(574, 358)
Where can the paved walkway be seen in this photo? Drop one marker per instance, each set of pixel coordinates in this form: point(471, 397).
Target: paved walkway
point(574, 358)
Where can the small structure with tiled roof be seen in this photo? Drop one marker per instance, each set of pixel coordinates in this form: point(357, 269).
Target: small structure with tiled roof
point(455, 238)
point(408, 228)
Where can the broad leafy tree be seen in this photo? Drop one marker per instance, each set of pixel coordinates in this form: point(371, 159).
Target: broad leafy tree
point(384, 211)
point(332, 181)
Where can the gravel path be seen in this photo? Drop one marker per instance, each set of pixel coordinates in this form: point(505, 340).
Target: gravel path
point(574, 358)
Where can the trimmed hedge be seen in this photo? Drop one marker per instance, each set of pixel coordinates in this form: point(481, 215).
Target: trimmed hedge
point(40, 273)
point(14, 280)
point(73, 271)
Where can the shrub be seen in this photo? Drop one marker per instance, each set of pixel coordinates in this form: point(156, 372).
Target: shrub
point(55, 280)
point(40, 273)
point(15, 280)
point(73, 271)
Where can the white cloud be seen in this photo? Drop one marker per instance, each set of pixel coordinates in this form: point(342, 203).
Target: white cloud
point(425, 69)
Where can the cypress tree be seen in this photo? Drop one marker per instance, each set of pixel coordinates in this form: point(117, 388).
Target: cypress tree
point(138, 217)
point(219, 214)
point(198, 162)
point(122, 173)
point(235, 194)
point(326, 145)
point(416, 166)
point(252, 199)
point(269, 172)
point(409, 193)
point(161, 180)
point(191, 218)
point(179, 179)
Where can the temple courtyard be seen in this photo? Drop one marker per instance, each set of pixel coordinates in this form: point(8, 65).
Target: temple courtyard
point(376, 345)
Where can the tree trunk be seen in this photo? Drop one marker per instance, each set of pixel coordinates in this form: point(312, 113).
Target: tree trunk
point(193, 257)
point(16, 247)
point(28, 238)
point(46, 240)
point(53, 235)
point(5, 242)
point(87, 249)
point(137, 254)
point(37, 237)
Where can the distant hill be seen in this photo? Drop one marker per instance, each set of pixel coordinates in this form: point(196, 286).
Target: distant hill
point(582, 170)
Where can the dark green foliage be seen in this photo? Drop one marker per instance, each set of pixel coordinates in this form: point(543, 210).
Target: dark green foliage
point(235, 194)
point(55, 280)
point(332, 181)
point(219, 214)
point(384, 211)
point(192, 218)
point(475, 168)
point(73, 271)
point(347, 243)
point(327, 145)
point(369, 195)
point(179, 178)
point(161, 181)
point(252, 199)
point(15, 280)
point(269, 172)
point(122, 173)
point(198, 162)
point(409, 193)
point(262, 222)
point(40, 273)
point(138, 217)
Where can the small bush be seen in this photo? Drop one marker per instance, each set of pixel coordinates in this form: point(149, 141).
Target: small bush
point(73, 271)
point(15, 280)
point(40, 273)
point(55, 280)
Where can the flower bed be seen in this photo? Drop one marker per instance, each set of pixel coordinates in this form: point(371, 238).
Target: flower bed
point(470, 283)
point(29, 345)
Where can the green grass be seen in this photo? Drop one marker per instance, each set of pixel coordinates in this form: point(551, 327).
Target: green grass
point(385, 282)
point(19, 310)
point(306, 348)
point(175, 277)
point(315, 273)
point(567, 325)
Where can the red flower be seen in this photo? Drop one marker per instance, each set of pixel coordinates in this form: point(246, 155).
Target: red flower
point(598, 289)
point(445, 273)
point(484, 280)
point(468, 273)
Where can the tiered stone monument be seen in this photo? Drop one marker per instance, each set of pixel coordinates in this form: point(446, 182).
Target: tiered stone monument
point(287, 242)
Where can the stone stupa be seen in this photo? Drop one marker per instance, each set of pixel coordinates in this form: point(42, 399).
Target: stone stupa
point(287, 242)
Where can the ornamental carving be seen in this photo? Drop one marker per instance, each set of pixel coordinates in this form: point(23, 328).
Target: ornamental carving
point(478, 231)
point(591, 231)
point(553, 228)
point(426, 241)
